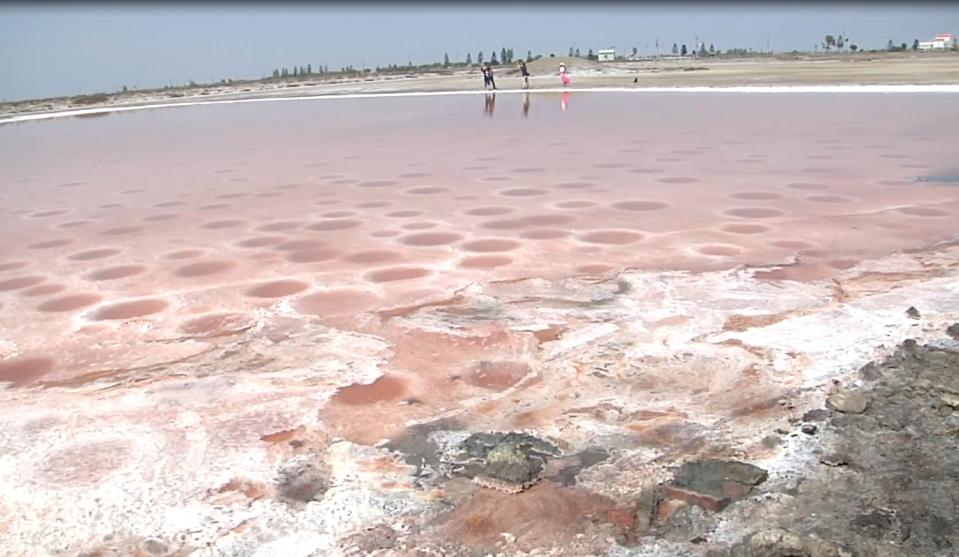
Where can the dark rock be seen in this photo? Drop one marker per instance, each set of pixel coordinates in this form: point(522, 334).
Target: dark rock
point(953, 330)
point(771, 441)
point(713, 503)
point(815, 415)
point(508, 461)
point(712, 483)
point(577, 463)
point(834, 459)
point(415, 444)
point(302, 482)
point(809, 429)
point(912, 313)
point(877, 524)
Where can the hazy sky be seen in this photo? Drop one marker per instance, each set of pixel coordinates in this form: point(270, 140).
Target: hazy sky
point(51, 49)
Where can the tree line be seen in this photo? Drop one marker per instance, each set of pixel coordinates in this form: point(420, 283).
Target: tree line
point(839, 43)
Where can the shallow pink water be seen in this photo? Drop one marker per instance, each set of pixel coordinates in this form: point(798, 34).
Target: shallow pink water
point(343, 206)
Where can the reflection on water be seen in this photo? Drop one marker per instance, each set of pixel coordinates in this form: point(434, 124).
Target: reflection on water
point(490, 104)
point(525, 105)
point(948, 176)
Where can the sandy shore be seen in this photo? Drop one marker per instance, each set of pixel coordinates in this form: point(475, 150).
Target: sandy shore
point(861, 69)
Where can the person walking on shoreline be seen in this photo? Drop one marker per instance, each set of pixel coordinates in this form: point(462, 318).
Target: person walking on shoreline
point(488, 81)
point(525, 73)
point(563, 75)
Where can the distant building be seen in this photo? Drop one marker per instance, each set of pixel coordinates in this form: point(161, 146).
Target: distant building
point(606, 55)
point(942, 41)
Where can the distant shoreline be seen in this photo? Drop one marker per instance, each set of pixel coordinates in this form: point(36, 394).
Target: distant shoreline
point(787, 89)
point(905, 72)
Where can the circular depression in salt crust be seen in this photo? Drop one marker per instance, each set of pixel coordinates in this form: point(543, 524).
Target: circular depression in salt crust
point(128, 310)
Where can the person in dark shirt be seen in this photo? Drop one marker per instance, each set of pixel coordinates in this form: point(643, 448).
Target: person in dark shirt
point(525, 74)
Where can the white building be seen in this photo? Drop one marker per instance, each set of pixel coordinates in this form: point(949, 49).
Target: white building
point(606, 55)
point(942, 41)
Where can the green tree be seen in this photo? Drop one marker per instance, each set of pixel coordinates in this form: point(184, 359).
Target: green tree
point(479, 57)
point(529, 55)
point(124, 88)
point(635, 51)
point(294, 71)
point(502, 55)
point(712, 49)
point(590, 55)
point(675, 49)
point(702, 49)
point(577, 53)
point(469, 59)
point(309, 68)
point(890, 46)
point(446, 60)
point(682, 51)
point(276, 74)
point(903, 46)
point(571, 52)
point(830, 42)
point(853, 47)
point(492, 58)
point(915, 44)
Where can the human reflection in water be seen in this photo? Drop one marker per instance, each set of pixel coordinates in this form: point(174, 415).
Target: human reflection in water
point(563, 103)
point(490, 104)
point(525, 105)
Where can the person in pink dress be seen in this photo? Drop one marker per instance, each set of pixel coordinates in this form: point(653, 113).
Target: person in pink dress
point(563, 75)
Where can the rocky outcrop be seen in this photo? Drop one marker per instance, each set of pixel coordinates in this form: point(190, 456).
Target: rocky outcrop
point(885, 484)
point(508, 461)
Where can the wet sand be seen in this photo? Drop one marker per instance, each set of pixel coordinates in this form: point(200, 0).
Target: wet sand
point(337, 271)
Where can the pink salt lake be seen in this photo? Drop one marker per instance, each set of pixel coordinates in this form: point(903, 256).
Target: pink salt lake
point(174, 218)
